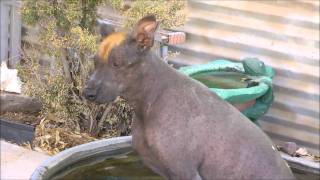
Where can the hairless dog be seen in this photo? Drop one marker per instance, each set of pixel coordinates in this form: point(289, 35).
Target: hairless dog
point(181, 130)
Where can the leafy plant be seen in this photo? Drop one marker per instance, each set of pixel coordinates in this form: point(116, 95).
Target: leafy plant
point(170, 13)
point(67, 35)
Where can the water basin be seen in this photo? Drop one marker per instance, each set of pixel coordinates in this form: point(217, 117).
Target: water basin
point(113, 159)
point(247, 84)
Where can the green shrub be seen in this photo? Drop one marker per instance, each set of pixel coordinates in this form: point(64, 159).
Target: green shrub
point(68, 37)
point(169, 13)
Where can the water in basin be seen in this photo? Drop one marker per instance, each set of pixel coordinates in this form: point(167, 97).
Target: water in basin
point(120, 167)
point(223, 80)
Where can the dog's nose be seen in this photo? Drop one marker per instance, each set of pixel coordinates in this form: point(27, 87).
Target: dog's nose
point(90, 94)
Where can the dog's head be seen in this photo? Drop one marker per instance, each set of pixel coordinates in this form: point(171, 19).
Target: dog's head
point(118, 61)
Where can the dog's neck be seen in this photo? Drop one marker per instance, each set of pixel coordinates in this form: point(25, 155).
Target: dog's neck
point(155, 78)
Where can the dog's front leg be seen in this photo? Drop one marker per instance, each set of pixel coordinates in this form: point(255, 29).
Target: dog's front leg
point(195, 177)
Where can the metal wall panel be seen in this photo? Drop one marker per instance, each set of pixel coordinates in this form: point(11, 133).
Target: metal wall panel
point(283, 34)
point(10, 31)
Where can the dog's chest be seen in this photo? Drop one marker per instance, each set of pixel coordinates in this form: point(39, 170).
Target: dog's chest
point(141, 142)
point(146, 152)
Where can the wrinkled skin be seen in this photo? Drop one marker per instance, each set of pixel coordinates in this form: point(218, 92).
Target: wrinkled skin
point(181, 130)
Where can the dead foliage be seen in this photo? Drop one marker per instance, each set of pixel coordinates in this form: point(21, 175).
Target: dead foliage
point(53, 137)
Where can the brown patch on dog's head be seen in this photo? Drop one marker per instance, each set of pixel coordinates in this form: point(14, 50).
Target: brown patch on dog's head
point(111, 41)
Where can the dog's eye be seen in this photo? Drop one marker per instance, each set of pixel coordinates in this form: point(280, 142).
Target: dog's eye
point(115, 64)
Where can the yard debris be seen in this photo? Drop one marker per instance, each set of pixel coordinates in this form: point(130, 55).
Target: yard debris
point(52, 137)
point(294, 150)
point(316, 158)
point(302, 152)
point(53, 134)
point(289, 148)
point(19, 117)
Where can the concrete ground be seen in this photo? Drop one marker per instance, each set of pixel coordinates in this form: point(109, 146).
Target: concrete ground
point(18, 162)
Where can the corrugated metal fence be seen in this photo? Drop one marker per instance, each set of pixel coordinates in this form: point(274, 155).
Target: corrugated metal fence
point(10, 31)
point(285, 35)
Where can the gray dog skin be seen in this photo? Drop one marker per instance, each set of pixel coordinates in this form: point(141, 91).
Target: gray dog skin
point(181, 130)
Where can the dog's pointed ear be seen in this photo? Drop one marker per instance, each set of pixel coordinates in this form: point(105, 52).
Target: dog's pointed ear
point(144, 32)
